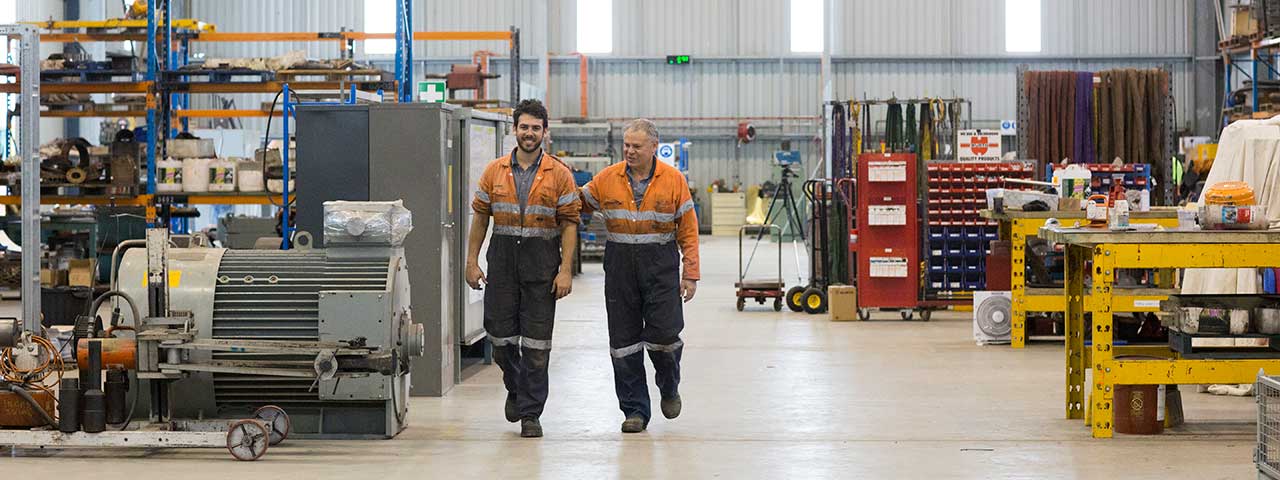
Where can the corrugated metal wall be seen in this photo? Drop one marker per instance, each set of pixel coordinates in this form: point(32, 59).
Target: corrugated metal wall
point(742, 64)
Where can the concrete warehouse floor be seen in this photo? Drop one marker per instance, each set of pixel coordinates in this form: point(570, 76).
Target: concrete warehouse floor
point(767, 395)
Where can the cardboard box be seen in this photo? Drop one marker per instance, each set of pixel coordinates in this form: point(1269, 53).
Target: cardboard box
point(82, 273)
point(1243, 24)
point(843, 301)
point(53, 278)
point(1070, 204)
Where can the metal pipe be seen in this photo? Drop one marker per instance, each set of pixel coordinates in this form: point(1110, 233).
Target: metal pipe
point(28, 139)
point(582, 84)
point(115, 258)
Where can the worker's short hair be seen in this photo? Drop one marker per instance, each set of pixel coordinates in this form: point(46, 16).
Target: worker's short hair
point(643, 125)
point(531, 107)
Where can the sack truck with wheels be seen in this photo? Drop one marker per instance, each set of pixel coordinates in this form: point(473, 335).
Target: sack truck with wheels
point(759, 289)
point(812, 298)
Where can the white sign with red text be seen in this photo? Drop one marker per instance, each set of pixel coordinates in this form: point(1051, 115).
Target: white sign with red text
point(979, 146)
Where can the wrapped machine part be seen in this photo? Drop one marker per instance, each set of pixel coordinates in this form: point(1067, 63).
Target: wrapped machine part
point(366, 222)
point(1232, 217)
point(1220, 321)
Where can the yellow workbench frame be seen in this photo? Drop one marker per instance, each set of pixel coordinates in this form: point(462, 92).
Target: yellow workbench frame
point(1111, 251)
point(1018, 229)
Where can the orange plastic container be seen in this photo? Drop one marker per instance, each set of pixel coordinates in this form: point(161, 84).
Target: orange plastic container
point(1229, 193)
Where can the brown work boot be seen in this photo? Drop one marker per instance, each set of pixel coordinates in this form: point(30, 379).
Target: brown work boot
point(634, 424)
point(530, 428)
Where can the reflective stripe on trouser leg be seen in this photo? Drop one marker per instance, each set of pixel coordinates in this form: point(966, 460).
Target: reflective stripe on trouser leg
point(519, 315)
point(501, 302)
point(539, 263)
point(664, 315)
point(623, 302)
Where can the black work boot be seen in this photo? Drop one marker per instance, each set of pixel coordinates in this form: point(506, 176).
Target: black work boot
point(671, 407)
point(513, 413)
point(530, 428)
point(634, 424)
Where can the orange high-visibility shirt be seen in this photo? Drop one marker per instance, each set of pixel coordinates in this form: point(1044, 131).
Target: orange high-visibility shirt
point(664, 215)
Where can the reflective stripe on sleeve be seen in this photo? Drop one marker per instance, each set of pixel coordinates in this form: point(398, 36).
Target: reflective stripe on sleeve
point(484, 197)
point(684, 208)
point(567, 199)
point(586, 195)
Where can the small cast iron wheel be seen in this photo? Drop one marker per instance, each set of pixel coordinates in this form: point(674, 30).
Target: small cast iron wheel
point(864, 314)
point(795, 298)
point(777, 304)
point(247, 440)
point(276, 421)
point(925, 314)
point(906, 314)
point(815, 300)
point(76, 175)
point(742, 303)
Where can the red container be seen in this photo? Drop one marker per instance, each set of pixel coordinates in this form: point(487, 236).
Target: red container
point(999, 263)
point(888, 234)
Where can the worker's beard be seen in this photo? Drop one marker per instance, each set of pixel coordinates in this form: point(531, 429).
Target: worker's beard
point(534, 148)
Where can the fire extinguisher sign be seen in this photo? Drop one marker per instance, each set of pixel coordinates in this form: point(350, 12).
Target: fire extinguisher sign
point(979, 145)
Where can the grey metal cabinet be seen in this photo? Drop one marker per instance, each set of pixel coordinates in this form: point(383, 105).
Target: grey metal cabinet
point(421, 154)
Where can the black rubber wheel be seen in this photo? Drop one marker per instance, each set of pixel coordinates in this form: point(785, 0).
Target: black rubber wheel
point(777, 304)
point(925, 315)
point(795, 298)
point(742, 303)
point(815, 300)
point(864, 314)
point(906, 314)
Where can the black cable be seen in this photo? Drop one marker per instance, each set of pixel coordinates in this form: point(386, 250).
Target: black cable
point(266, 137)
point(133, 403)
point(97, 303)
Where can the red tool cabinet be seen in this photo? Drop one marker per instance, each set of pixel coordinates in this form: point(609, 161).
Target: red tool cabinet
point(887, 239)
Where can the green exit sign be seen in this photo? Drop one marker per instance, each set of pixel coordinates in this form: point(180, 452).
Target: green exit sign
point(677, 59)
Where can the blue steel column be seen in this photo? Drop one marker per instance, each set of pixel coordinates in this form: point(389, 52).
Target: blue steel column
point(404, 50)
point(185, 99)
point(1253, 57)
point(284, 155)
point(152, 67)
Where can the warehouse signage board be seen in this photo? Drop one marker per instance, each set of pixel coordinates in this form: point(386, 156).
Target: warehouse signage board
point(1008, 128)
point(979, 146)
point(667, 153)
point(432, 91)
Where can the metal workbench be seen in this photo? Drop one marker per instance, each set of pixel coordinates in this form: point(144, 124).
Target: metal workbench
point(1169, 249)
point(1019, 227)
